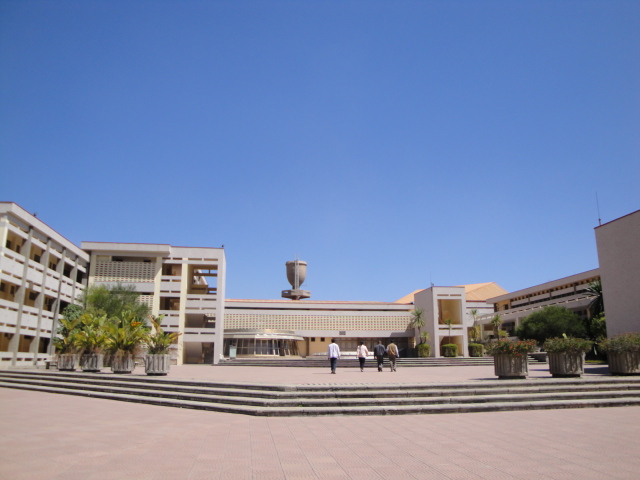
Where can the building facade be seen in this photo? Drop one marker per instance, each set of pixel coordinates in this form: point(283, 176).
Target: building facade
point(569, 292)
point(41, 272)
point(185, 284)
point(306, 327)
point(618, 244)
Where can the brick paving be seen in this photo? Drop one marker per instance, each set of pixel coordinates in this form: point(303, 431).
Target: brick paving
point(48, 436)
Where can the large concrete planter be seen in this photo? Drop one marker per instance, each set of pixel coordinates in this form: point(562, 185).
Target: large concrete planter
point(92, 362)
point(566, 364)
point(157, 364)
point(510, 366)
point(624, 363)
point(122, 364)
point(67, 362)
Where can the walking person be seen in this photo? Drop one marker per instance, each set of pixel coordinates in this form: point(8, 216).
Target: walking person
point(333, 352)
point(378, 352)
point(362, 353)
point(393, 353)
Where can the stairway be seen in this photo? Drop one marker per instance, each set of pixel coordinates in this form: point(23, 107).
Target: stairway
point(322, 361)
point(330, 399)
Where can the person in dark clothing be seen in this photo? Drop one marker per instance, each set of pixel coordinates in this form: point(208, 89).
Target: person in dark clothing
point(378, 352)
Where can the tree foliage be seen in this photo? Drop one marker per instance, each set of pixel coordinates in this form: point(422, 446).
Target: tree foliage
point(596, 307)
point(496, 322)
point(113, 301)
point(418, 321)
point(550, 322)
point(159, 341)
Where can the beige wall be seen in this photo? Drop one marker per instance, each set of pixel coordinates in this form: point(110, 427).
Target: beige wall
point(619, 256)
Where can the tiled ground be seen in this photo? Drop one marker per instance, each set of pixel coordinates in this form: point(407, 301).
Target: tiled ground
point(48, 436)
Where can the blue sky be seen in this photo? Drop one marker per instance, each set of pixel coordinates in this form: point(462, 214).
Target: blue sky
point(388, 144)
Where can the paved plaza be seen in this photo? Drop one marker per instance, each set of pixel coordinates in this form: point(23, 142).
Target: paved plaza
point(49, 436)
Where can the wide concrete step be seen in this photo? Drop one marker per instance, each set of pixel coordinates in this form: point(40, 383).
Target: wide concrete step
point(295, 400)
point(353, 362)
point(366, 398)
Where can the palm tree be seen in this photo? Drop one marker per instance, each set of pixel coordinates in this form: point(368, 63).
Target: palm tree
point(448, 322)
point(496, 321)
point(474, 334)
point(474, 314)
point(596, 307)
point(418, 321)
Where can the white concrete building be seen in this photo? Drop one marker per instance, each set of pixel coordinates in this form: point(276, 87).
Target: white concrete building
point(41, 272)
point(619, 255)
point(306, 327)
point(186, 284)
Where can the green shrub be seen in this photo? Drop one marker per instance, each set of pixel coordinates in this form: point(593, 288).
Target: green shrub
point(450, 350)
point(576, 346)
point(550, 322)
point(514, 349)
point(423, 350)
point(625, 343)
point(476, 349)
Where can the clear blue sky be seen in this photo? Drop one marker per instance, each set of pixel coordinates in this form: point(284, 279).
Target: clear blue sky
point(388, 144)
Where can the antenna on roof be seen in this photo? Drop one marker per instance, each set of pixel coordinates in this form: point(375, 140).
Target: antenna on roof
point(430, 279)
point(598, 206)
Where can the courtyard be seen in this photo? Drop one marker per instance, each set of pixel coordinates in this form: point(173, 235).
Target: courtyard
point(49, 436)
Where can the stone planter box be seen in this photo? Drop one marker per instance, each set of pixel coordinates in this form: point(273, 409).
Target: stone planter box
point(566, 364)
point(122, 364)
point(92, 362)
point(508, 366)
point(624, 363)
point(67, 362)
point(157, 364)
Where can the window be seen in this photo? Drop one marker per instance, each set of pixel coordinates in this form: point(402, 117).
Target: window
point(313, 339)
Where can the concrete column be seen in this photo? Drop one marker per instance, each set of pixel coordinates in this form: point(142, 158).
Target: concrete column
point(14, 343)
point(155, 305)
point(220, 292)
point(35, 343)
point(74, 275)
point(182, 315)
point(56, 304)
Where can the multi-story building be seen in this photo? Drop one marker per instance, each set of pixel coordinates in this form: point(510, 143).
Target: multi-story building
point(570, 292)
point(185, 284)
point(41, 272)
point(618, 244)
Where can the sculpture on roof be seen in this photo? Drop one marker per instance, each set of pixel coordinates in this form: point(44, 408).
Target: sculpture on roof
point(296, 274)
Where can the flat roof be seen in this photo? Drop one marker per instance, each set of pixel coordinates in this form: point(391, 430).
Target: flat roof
point(544, 286)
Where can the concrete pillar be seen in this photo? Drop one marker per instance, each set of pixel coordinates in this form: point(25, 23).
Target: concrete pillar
point(56, 304)
point(25, 251)
point(35, 343)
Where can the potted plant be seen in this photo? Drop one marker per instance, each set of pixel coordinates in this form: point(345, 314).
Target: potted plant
point(90, 341)
point(476, 349)
point(65, 344)
point(157, 361)
point(566, 355)
point(623, 352)
point(450, 350)
point(510, 358)
point(124, 336)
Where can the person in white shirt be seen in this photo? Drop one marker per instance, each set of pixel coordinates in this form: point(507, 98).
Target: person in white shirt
point(362, 353)
point(333, 352)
